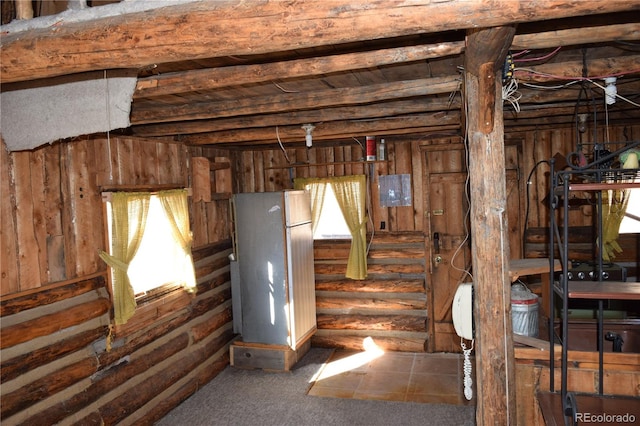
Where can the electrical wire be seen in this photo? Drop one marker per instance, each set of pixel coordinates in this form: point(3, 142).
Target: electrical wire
point(282, 146)
point(527, 201)
point(522, 52)
point(283, 89)
point(108, 108)
point(510, 94)
point(361, 146)
point(540, 58)
point(557, 87)
point(368, 197)
point(531, 72)
point(467, 214)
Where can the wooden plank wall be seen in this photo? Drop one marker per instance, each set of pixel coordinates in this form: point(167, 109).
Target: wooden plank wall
point(55, 304)
point(621, 377)
point(272, 170)
point(541, 145)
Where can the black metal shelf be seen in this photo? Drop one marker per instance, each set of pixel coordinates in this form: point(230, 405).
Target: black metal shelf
point(596, 177)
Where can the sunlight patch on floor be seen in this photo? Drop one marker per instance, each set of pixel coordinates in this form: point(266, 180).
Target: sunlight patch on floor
point(352, 362)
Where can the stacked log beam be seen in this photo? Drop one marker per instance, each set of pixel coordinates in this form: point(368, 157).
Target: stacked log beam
point(55, 363)
point(389, 306)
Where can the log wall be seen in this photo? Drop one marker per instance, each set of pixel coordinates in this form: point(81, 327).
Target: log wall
point(273, 170)
point(53, 227)
point(389, 306)
point(60, 359)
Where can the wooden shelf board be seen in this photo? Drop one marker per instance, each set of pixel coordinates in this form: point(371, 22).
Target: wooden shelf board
point(524, 267)
point(617, 290)
point(603, 186)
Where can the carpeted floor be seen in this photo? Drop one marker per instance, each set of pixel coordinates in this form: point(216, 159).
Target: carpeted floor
point(254, 397)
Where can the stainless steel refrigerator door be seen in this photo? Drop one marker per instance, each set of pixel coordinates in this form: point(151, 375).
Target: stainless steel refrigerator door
point(262, 261)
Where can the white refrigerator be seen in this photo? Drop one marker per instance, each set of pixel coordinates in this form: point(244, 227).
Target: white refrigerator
point(273, 284)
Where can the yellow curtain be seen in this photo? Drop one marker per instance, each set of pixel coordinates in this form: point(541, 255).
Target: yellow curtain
point(129, 217)
point(614, 206)
point(351, 195)
point(174, 203)
point(316, 188)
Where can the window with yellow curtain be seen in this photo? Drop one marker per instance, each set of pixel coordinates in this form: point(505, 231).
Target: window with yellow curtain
point(350, 194)
point(150, 247)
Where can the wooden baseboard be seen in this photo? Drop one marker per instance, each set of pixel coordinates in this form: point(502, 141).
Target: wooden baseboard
point(275, 358)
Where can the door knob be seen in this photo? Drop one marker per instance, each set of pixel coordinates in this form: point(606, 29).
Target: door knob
point(437, 260)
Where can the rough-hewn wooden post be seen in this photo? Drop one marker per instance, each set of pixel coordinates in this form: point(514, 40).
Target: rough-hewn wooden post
point(495, 369)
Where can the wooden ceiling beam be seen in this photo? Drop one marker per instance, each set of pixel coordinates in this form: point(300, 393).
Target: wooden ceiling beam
point(538, 97)
point(378, 110)
point(422, 133)
point(215, 78)
point(577, 36)
point(547, 72)
point(202, 30)
point(331, 130)
point(572, 70)
point(557, 117)
point(541, 99)
point(296, 101)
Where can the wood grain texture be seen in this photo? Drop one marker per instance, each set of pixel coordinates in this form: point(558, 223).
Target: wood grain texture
point(495, 366)
point(150, 37)
point(51, 323)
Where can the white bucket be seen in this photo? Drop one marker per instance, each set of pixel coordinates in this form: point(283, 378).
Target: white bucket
point(524, 311)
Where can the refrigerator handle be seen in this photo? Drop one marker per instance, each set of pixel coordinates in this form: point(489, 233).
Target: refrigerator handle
point(234, 247)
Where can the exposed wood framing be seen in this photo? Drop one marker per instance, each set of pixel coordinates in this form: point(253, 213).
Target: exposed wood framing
point(489, 229)
point(293, 101)
point(215, 78)
point(205, 29)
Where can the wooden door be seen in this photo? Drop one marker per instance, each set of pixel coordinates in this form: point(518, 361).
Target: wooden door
point(447, 223)
point(446, 206)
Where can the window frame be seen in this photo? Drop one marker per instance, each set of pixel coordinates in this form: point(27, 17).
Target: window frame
point(341, 237)
point(156, 303)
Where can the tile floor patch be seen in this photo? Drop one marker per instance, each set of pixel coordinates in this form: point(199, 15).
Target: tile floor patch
point(393, 376)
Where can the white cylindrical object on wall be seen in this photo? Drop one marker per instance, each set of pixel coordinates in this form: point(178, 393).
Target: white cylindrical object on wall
point(610, 90)
point(382, 151)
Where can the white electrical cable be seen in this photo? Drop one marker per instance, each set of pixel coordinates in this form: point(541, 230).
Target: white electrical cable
point(616, 94)
point(510, 94)
point(467, 370)
point(282, 146)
